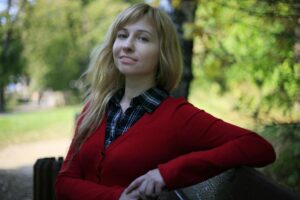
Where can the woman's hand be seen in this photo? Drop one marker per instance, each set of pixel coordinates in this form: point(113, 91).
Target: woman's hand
point(133, 195)
point(148, 186)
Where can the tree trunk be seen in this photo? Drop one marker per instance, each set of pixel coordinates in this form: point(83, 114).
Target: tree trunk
point(2, 100)
point(297, 36)
point(5, 47)
point(297, 45)
point(183, 14)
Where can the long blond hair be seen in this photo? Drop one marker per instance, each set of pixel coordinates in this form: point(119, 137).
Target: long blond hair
point(104, 78)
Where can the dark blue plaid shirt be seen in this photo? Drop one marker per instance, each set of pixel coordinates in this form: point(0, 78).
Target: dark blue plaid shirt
point(119, 122)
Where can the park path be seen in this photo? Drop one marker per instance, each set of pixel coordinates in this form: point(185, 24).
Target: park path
point(16, 166)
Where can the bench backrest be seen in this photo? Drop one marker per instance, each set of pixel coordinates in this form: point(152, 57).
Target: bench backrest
point(243, 183)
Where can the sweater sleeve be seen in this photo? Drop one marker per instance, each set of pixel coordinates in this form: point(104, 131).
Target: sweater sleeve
point(70, 184)
point(210, 146)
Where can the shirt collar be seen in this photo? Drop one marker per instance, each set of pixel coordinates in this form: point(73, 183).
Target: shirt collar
point(149, 100)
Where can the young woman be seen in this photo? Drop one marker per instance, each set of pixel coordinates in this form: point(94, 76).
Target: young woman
point(132, 139)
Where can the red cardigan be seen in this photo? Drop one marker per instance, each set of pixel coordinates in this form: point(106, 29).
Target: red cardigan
point(186, 144)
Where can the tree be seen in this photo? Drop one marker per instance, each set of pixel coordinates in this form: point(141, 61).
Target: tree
point(11, 59)
point(182, 14)
point(60, 36)
point(246, 48)
point(249, 51)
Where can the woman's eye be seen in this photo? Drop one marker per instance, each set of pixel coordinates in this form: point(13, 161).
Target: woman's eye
point(121, 35)
point(144, 39)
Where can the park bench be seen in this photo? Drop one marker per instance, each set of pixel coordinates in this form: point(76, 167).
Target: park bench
point(242, 183)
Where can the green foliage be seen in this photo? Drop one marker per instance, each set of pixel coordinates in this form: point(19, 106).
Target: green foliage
point(286, 138)
point(60, 36)
point(12, 61)
point(244, 50)
point(249, 54)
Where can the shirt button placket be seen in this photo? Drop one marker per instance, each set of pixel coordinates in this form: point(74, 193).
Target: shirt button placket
point(100, 165)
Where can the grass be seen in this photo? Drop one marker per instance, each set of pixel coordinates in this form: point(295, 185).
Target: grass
point(36, 125)
point(220, 107)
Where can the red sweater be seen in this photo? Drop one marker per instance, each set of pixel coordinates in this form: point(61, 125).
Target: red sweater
point(186, 144)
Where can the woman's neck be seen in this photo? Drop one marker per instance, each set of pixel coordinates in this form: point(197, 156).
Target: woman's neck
point(133, 88)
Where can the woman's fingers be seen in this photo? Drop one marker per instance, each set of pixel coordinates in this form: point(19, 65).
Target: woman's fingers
point(135, 184)
point(148, 186)
point(152, 185)
point(134, 195)
point(146, 190)
point(150, 189)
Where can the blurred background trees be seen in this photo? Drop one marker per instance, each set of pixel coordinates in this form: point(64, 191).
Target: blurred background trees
point(244, 51)
point(248, 51)
point(53, 39)
point(11, 58)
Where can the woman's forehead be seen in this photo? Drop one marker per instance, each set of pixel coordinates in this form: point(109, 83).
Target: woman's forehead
point(142, 23)
point(145, 20)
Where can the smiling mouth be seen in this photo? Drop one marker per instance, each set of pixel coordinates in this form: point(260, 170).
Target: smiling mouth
point(127, 60)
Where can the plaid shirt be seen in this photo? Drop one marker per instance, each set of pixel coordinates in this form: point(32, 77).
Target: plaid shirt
point(119, 122)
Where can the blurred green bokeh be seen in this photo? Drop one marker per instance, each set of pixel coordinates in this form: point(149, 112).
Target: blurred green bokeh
point(245, 65)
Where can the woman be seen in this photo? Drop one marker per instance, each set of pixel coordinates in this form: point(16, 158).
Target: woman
point(132, 139)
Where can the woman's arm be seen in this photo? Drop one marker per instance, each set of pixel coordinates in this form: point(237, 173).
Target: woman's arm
point(211, 146)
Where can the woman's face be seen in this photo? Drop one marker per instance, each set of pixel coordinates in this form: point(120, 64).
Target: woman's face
point(136, 50)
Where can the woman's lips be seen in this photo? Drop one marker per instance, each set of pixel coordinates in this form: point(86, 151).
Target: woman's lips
point(127, 60)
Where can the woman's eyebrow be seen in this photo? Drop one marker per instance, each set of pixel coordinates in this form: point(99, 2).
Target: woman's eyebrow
point(122, 29)
point(144, 31)
point(138, 30)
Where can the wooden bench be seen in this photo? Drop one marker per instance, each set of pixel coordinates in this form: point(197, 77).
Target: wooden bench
point(241, 183)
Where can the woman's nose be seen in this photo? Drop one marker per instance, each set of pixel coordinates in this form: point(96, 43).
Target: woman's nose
point(128, 44)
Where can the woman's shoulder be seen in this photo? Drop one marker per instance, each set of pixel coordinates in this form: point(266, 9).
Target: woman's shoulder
point(179, 103)
point(173, 102)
